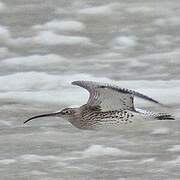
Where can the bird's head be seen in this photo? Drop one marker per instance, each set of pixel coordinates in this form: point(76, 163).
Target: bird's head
point(66, 113)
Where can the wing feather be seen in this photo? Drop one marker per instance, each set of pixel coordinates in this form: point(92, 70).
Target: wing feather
point(110, 97)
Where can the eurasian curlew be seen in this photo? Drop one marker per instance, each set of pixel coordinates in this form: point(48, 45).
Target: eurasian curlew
point(107, 106)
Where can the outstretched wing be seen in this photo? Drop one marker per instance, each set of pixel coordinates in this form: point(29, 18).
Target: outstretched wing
point(110, 97)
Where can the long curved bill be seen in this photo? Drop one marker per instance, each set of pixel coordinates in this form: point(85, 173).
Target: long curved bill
point(39, 116)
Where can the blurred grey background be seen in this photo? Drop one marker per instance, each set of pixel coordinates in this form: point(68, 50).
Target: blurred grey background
point(44, 45)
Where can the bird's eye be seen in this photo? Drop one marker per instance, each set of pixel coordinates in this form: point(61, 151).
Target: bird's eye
point(66, 112)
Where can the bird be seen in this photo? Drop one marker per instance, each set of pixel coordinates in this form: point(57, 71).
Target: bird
point(108, 105)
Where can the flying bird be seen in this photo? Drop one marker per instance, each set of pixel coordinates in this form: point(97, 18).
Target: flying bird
point(108, 105)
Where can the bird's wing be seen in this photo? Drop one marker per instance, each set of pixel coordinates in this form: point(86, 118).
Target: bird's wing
point(110, 97)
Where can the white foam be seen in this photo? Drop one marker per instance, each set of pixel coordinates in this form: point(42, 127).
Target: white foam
point(58, 25)
point(171, 21)
point(46, 97)
point(147, 160)
point(6, 123)
point(61, 10)
point(4, 52)
point(24, 81)
point(162, 130)
point(140, 9)
point(20, 41)
point(45, 88)
point(100, 10)
point(51, 38)
point(40, 81)
point(34, 60)
point(174, 162)
point(2, 7)
point(163, 40)
point(4, 34)
point(28, 81)
point(7, 161)
point(100, 150)
point(35, 158)
point(35, 172)
point(124, 42)
point(7, 39)
point(175, 148)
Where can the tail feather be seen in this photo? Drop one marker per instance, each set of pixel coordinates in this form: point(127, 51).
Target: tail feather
point(155, 115)
point(164, 117)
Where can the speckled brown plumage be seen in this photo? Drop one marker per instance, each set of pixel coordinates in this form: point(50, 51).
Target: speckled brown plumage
point(91, 117)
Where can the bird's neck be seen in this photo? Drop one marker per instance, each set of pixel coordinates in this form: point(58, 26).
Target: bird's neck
point(75, 119)
point(79, 120)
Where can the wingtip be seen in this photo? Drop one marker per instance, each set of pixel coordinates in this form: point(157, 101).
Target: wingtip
point(79, 82)
point(75, 82)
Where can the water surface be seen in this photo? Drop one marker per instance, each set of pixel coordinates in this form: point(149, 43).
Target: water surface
point(44, 45)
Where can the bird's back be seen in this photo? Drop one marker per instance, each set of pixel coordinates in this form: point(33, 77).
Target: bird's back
point(91, 118)
point(94, 118)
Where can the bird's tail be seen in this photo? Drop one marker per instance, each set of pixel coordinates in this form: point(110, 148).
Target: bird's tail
point(155, 115)
point(163, 116)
